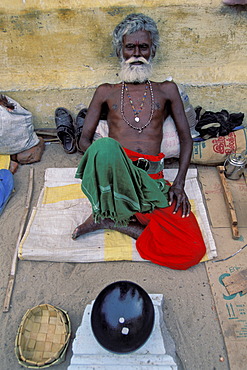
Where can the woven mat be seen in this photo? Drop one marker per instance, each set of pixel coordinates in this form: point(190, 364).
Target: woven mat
point(62, 206)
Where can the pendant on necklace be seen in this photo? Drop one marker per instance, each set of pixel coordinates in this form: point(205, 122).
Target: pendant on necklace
point(140, 130)
point(137, 119)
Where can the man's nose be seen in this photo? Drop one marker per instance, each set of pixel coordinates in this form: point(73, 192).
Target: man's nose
point(137, 51)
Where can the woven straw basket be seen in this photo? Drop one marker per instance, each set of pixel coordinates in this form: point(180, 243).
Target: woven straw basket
point(43, 337)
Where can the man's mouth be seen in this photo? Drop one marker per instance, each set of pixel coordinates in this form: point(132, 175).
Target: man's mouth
point(138, 63)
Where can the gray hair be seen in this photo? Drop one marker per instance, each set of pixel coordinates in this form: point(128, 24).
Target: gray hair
point(132, 23)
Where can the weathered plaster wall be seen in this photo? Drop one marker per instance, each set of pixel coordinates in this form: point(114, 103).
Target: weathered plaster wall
point(54, 53)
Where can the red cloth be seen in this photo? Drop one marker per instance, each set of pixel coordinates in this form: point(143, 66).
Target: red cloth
point(168, 239)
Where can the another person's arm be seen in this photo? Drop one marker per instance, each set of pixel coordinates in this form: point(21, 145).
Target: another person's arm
point(186, 144)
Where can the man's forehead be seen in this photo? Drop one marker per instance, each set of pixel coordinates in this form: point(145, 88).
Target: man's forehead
point(137, 37)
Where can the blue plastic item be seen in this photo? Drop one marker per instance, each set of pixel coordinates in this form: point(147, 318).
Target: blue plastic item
point(6, 187)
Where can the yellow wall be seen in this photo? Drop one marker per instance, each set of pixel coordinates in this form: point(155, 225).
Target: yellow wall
point(54, 53)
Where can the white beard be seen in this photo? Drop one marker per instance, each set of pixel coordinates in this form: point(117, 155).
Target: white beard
point(135, 73)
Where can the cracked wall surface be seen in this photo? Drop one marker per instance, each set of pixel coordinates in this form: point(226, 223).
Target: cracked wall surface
point(55, 53)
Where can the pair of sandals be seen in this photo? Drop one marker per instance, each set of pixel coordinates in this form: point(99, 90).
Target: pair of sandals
point(68, 131)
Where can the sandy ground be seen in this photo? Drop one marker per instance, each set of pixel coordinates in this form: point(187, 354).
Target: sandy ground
point(189, 310)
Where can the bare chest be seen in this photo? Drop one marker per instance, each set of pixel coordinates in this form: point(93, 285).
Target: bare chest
point(136, 107)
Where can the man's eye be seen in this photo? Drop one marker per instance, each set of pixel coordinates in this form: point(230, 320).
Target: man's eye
point(129, 47)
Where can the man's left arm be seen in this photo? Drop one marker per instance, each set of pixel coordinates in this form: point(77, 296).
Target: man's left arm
point(177, 192)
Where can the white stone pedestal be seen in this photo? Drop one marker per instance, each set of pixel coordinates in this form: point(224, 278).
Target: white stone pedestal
point(88, 353)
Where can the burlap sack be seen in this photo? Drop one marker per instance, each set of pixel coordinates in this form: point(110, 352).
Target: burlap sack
point(215, 151)
point(16, 129)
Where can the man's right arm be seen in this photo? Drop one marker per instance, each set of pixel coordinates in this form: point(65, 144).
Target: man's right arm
point(92, 118)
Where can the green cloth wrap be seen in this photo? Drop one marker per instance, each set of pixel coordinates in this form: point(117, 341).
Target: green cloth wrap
point(116, 188)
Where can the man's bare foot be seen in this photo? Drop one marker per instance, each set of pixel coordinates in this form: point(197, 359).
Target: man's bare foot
point(90, 225)
point(134, 229)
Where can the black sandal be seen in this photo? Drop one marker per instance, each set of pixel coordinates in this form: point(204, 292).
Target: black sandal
point(65, 130)
point(79, 121)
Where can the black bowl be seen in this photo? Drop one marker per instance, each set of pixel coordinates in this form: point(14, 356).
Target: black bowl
point(122, 317)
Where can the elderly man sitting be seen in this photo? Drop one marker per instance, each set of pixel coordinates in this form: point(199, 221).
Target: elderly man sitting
point(122, 175)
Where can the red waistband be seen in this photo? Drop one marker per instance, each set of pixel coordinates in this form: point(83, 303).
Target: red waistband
point(154, 158)
point(135, 155)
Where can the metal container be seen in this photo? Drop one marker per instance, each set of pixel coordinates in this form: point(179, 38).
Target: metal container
point(234, 166)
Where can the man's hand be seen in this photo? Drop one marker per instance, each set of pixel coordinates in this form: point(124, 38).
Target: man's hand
point(177, 193)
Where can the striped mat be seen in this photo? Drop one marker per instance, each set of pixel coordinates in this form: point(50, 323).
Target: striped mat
point(62, 206)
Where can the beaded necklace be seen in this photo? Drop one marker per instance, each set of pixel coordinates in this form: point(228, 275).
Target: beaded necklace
point(136, 113)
